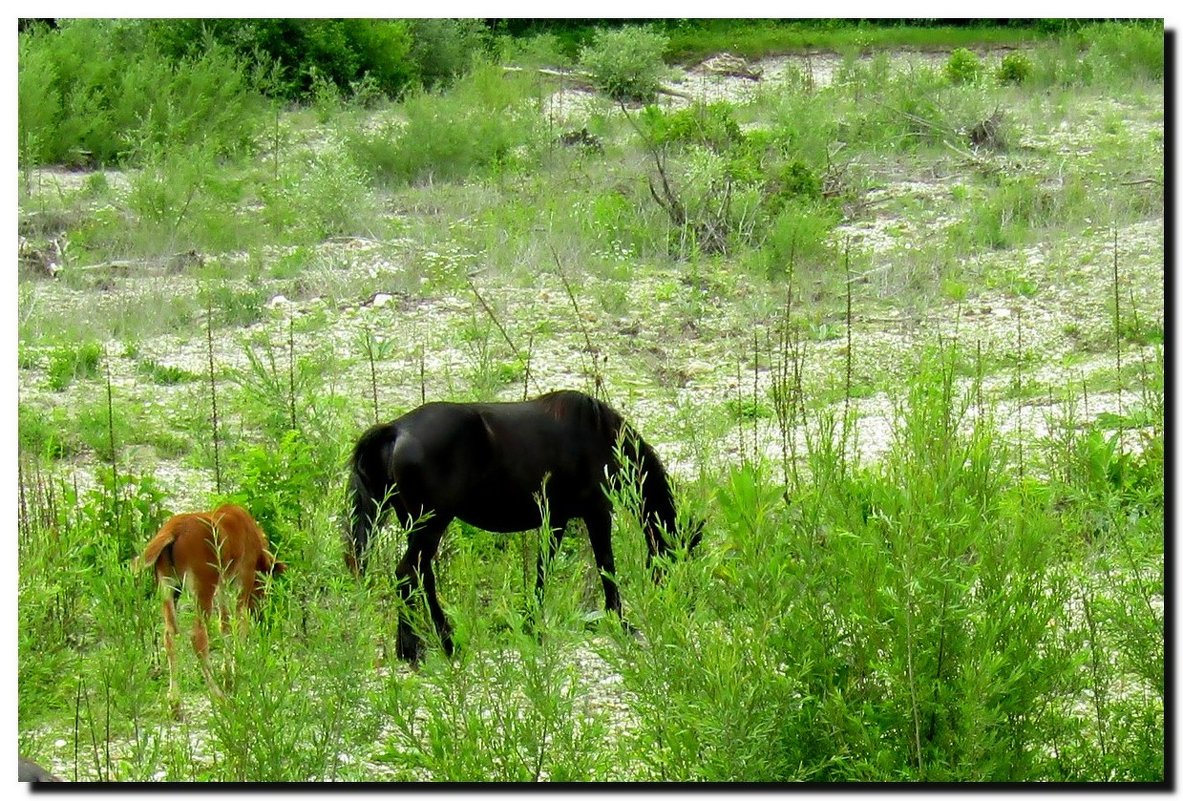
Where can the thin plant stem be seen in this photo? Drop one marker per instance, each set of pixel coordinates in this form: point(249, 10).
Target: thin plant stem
point(292, 370)
point(111, 439)
point(213, 389)
point(1117, 340)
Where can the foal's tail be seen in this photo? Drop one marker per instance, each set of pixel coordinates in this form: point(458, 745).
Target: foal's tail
point(367, 490)
point(156, 546)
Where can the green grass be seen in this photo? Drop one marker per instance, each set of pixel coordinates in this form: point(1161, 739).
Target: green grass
point(913, 612)
point(761, 38)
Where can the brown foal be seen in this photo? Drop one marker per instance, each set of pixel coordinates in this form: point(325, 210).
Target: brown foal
point(205, 549)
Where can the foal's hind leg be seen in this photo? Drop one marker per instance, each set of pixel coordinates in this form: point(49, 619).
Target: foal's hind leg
point(170, 650)
point(205, 606)
point(422, 544)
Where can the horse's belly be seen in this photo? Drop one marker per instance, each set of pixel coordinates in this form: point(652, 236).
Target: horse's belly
point(502, 517)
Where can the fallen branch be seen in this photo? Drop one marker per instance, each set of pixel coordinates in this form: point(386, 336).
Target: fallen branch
point(583, 80)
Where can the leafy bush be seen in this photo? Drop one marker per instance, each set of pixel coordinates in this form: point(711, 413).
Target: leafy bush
point(711, 125)
point(444, 49)
point(963, 66)
point(278, 484)
point(95, 92)
point(67, 363)
point(1014, 68)
point(485, 121)
point(1126, 51)
point(343, 51)
point(626, 64)
point(794, 179)
point(798, 235)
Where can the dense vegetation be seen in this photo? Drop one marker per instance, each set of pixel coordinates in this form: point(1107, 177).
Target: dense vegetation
point(980, 602)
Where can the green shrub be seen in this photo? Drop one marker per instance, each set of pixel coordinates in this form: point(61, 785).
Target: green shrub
point(794, 179)
point(913, 109)
point(68, 362)
point(1015, 68)
point(99, 93)
point(711, 125)
point(331, 197)
point(41, 433)
point(235, 305)
point(1105, 52)
point(342, 51)
point(963, 66)
point(798, 235)
point(626, 63)
point(95, 428)
point(444, 49)
point(487, 120)
point(181, 200)
point(1129, 51)
point(38, 102)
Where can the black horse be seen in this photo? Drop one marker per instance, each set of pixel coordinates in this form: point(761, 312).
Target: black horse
point(489, 464)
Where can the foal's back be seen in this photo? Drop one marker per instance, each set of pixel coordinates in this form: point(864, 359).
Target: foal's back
point(206, 545)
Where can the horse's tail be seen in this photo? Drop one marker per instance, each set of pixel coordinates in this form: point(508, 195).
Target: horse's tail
point(156, 546)
point(367, 489)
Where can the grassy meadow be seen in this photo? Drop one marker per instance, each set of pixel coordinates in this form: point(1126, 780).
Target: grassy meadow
point(888, 302)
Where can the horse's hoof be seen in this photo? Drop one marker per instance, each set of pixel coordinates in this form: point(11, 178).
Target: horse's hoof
point(409, 650)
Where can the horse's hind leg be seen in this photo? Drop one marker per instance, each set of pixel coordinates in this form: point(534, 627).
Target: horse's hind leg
point(422, 543)
point(205, 606)
point(170, 650)
point(442, 627)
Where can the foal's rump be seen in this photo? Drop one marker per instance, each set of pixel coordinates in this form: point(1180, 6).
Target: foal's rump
point(225, 539)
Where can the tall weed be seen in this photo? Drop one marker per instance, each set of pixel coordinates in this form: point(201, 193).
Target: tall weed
point(486, 121)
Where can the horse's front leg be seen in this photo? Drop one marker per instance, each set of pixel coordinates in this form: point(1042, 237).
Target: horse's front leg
point(599, 531)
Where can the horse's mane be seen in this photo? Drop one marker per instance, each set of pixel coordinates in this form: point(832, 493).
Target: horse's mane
point(655, 489)
point(568, 404)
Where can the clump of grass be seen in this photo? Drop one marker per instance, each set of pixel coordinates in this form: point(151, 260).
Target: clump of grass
point(69, 362)
point(486, 121)
point(166, 374)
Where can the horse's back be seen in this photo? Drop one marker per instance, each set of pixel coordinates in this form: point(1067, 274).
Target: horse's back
point(486, 463)
point(201, 541)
